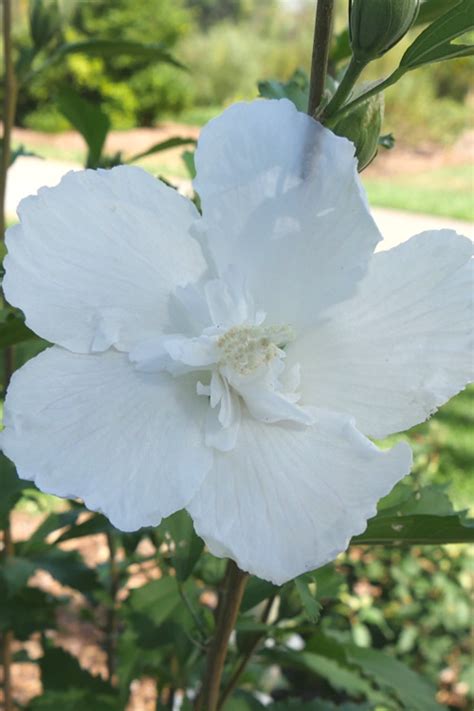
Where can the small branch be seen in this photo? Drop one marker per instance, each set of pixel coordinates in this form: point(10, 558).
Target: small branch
point(229, 605)
point(319, 59)
point(9, 109)
point(375, 89)
point(111, 623)
point(350, 77)
point(240, 668)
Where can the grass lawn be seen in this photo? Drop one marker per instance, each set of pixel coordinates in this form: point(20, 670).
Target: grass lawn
point(447, 192)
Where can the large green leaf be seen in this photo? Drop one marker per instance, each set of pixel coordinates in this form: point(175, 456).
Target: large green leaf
point(436, 42)
point(415, 693)
point(73, 700)
point(97, 523)
point(89, 120)
point(421, 529)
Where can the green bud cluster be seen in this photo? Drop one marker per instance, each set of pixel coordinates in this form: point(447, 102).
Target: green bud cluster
point(377, 25)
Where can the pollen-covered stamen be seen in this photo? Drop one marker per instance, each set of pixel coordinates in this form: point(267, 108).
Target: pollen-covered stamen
point(246, 348)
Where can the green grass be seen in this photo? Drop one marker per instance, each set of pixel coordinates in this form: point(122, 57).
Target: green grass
point(446, 192)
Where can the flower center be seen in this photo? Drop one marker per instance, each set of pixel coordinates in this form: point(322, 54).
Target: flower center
point(246, 348)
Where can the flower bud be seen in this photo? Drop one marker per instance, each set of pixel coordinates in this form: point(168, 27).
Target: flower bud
point(362, 126)
point(377, 25)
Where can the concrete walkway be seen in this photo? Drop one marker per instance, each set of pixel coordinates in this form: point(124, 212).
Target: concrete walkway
point(27, 175)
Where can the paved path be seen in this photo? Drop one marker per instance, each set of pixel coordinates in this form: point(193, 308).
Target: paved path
point(27, 175)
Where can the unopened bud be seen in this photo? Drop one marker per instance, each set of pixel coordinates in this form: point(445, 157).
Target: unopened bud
point(362, 126)
point(377, 25)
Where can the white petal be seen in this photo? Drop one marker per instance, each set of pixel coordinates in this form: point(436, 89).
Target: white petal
point(282, 202)
point(129, 443)
point(94, 259)
point(403, 345)
point(287, 500)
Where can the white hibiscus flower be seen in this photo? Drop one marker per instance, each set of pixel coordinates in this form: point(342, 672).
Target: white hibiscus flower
point(235, 363)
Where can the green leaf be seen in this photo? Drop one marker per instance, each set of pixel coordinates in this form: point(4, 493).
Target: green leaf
point(67, 567)
point(296, 89)
point(310, 603)
point(51, 523)
point(29, 610)
point(186, 546)
point(13, 330)
point(436, 42)
point(413, 691)
point(154, 52)
point(72, 700)
point(418, 529)
point(97, 523)
point(89, 120)
point(157, 600)
point(188, 160)
point(430, 10)
point(340, 677)
point(11, 487)
point(257, 591)
point(60, 670)
point(15, 572)
point(163, 146)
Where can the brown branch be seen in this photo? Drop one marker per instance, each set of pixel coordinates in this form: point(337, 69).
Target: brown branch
point(229, 605)
point(319, 59)
point(242, 664)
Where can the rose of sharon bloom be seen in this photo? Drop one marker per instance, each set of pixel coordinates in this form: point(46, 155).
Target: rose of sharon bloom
point(233, 363)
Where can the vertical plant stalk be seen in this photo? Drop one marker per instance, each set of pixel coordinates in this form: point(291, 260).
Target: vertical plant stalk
point(7, 636)
point(111, 623)
point(227, 611)
point(242, 664)
point(9, 108)
point(319, 60)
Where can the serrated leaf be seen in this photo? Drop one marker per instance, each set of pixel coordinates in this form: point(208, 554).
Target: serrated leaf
point(310, 603)
point(156, 600)
point(30, 610)
point(97, 523)
point(89, 120)
point(411, 689)
point(435, 44)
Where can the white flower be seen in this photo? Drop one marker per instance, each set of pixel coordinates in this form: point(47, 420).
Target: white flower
point(230, 363)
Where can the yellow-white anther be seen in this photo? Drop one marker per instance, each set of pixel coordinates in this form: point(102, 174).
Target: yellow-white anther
point(246, 348)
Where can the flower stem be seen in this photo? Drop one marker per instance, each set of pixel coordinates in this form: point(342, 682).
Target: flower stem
point(350, 77)
point(227, 611)
point(242, 664)
point(319, 60)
